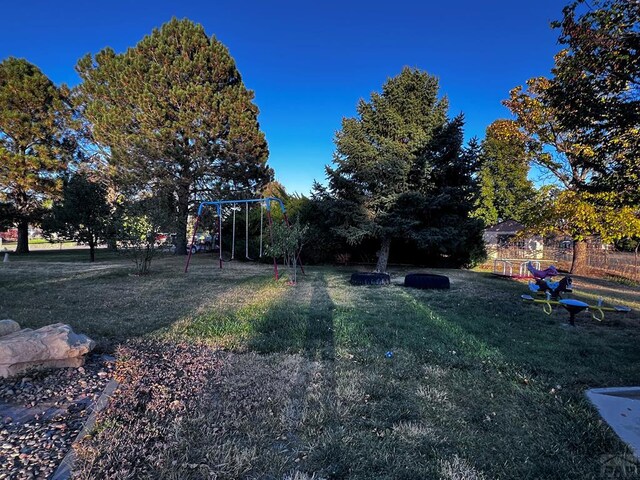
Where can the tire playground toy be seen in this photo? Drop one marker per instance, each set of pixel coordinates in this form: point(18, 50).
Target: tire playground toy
point(427, 281)
point(370, 278)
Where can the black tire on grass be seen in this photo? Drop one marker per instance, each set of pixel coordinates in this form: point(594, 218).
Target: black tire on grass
point(426, 281)
point(370, 278)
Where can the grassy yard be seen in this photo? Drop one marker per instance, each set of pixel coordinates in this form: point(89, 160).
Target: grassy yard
point(37, 244)
point(480, 385)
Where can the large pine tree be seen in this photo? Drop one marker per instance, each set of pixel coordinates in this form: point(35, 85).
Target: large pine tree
point(173, 113)
point(399, 167)
point(435, 214)
point(35, 143)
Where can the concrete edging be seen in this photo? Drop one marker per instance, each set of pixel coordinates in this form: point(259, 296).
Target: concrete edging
point(63, 472)
point(620, 408)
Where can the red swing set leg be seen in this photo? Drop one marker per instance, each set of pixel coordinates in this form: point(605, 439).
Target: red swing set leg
point(193, 240)
point(275, 263)
point(286, 219)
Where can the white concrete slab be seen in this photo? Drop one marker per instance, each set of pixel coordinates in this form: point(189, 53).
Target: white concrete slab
point(620, 408)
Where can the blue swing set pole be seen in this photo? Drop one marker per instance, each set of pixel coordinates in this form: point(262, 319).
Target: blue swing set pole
point(220, 235)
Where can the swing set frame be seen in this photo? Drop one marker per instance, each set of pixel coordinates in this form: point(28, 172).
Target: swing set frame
point(218, 204)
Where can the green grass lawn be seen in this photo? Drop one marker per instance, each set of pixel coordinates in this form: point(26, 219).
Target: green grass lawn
point(480, 385)
point(37, 244)
point(69, 253)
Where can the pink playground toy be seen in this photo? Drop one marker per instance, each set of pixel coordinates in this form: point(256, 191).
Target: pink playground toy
point(542, 274)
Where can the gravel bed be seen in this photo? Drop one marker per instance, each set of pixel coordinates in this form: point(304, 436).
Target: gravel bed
point(43, 412)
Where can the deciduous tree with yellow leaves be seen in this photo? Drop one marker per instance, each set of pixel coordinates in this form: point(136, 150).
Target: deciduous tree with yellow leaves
point(580, 125)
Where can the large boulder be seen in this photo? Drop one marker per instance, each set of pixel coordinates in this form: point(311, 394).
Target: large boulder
point(8, 326)
point(53, 346)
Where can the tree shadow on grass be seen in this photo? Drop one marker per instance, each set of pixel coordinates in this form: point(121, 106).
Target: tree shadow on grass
point(361, 416)
point(300, 321)
point(459, 386)
point(110, 305)
point(500, 399)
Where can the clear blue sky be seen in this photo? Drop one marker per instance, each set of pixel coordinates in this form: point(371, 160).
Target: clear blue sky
point(310, 62)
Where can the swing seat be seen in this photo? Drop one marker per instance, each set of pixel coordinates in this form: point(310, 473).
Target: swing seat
point(265, 204)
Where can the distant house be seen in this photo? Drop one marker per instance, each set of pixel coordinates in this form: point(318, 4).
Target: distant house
point(502, 241)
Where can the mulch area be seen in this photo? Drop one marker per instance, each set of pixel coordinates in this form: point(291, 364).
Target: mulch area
point(180, 411)
point(43, 412)
point(159, 383)
point(191, 411)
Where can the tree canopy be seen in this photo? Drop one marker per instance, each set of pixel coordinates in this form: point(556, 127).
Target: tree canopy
point(82, 215)
point(173, 112)
point(582, 124)
point(558, 150)
point(35, 143)
point(397, 158)
point(595, 90)
point(505, 190)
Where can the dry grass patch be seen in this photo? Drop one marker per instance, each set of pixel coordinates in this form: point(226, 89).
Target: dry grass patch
point(192, 412)
point(107, 302)
point(480, 384)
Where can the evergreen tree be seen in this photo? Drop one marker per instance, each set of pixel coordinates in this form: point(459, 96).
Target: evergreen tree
point(173, 113)
point(435, 215)
point(504, 188)
point(82, 215)
point(35, 143)
point(395, 166)
point(485, 206)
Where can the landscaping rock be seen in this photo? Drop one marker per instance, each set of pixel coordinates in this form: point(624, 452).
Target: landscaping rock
point(8, 326)
point(41, 415)
point(53, 346)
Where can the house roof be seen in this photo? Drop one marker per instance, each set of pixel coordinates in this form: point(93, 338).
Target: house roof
point(508, 226)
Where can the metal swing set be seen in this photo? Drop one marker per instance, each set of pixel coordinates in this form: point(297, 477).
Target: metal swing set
point(265, 205)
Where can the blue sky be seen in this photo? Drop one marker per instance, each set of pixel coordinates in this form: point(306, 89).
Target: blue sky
point(310, 62)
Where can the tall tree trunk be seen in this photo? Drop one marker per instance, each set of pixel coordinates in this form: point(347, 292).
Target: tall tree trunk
point(92, 251)
point(23, 237)
point(183, 218)
point(383, 255)
point(112, 245)
point(579, 264)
